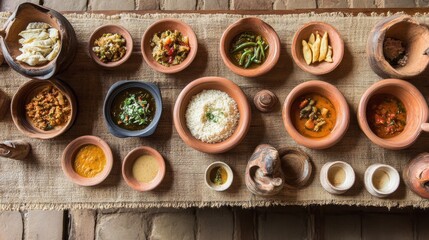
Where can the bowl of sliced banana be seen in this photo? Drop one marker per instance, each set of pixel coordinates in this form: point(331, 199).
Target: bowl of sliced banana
point(38, 42)
point(317, 48)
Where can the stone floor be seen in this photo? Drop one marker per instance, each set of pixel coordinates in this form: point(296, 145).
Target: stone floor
point(328, 222)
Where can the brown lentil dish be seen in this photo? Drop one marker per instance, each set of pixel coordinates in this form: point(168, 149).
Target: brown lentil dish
point(386, 115)
point(48, 109)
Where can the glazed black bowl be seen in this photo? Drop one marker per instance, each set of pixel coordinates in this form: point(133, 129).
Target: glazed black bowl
point(118, 88)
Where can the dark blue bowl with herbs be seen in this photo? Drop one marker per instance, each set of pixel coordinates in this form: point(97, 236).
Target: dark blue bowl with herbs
point(132, 108)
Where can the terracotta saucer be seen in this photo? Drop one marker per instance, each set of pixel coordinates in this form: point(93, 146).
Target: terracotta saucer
point(296, 165)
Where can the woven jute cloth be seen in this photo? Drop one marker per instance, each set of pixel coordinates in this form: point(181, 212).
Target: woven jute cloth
point(39, 183)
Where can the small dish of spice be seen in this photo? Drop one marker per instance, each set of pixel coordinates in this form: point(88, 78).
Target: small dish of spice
point(87, 160)
point(110, 45)
point(219, 176)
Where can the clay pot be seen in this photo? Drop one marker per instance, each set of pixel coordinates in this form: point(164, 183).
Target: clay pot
point(17, 149)
point(18, 21)
point(335, 41)
point(163, 25)
point(214, 83)
point(337, 177)
point(265, 101)
point(296, 166)
point(256, 25)
point(335, 97)
point(416, 175)
point(381, 180)
point(111, 29)
point(127, 169)
point(4, 104)
point(24, 95)
point(413, 35)
point(414, 103)
point(264, 175)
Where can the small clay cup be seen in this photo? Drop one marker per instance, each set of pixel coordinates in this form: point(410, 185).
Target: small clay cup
point(413, 35)
point(114, 91)
point(211, 184)
point(335, 40)
point(127, 169)
point(69, 155)
point(256, 25)
point(414, 103)
point(389, 183)
point(214, 83)
point(18, 21)
point(328, 178)
point(163, 25)
point(24, 95)
point(335, 97)
point(111, 28)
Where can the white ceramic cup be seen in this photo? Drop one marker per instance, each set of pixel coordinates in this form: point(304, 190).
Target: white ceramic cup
point(381, 180)
point(214, 186)
point(337, 177)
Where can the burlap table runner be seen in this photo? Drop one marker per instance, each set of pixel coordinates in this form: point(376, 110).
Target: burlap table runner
point(40, 182)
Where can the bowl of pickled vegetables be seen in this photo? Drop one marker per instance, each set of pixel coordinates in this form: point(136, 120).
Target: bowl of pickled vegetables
point(250, 47)
point(110, 46)
point(169, 46)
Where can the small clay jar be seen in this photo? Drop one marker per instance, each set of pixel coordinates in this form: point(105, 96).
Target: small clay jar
point(17, 149)
point(381, 180)
point(264, 175)
point(4, 104)
point(265, 101)
point(414, 38)
point(416, 175)
point(337, 177)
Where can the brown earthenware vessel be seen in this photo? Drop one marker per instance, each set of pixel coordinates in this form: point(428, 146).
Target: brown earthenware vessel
point(256, 25)
point(335, 97)
point(4, 104)
point(16, 149)
point(18, 21)
point(416, 109)
point(265, 101)
point(214, 83)
point(335, 41)
point(163, 25)
point(111, 29)
point(416, 175)
point(406, 29)
point(24, 95)
point(69, 155)
point(127, 169)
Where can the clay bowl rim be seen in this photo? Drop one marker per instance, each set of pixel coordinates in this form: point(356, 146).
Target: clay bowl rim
point(110, 28)
point(163, 24)
point(397, 142)
point(228, 182)
point(127, 166)
point(316, 68)
point(70, 152)
point(197, 86)
point(17, 108)
point(347, 169)
point(118, 88)
point(343, 114)
point(240, 26)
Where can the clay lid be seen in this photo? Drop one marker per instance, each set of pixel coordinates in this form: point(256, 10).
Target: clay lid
point(265, 100)
point(296, 165)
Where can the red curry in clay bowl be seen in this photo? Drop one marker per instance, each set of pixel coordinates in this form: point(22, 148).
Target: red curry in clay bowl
point(316, 114)
point(392, 113)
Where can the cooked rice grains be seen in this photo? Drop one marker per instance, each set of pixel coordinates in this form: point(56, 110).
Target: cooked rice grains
point(212, 116)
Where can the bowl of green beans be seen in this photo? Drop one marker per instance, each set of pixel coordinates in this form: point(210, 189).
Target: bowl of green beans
point(250, 47)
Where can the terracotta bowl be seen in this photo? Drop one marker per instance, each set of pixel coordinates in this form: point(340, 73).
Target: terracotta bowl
point(258, 26)
point(24, 95)
point(207, 83)
point(127, 169)
point(163, 25)
point(18, 21)
point(335, 41)
point(415, 38)
point(414, 103)
point(110, 29)
point(118, 88)
point(335, 97)
point(69, 155)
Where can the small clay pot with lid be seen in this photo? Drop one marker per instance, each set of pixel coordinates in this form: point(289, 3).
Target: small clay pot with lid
point(416, 175)
point(414, 37)
point(265, 101)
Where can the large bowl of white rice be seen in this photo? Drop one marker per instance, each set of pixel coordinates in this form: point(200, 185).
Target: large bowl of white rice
point(212, 115)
